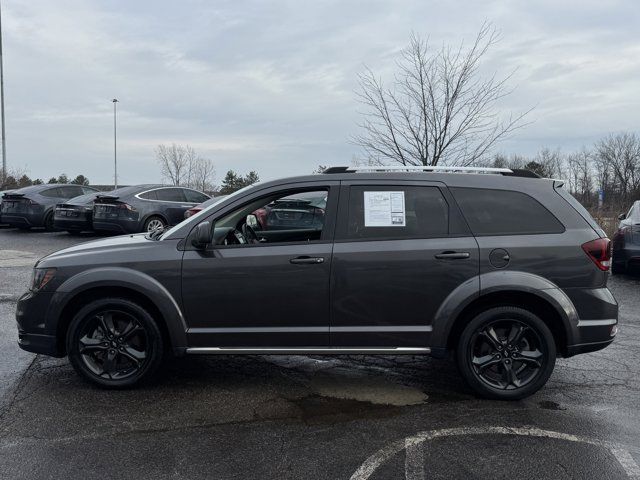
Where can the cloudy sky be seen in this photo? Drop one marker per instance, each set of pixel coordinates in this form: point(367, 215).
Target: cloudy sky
point(269, 85)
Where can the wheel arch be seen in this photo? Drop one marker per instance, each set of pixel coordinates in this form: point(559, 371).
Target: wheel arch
point(117, 282)
point(153, 214)
point(505, 288)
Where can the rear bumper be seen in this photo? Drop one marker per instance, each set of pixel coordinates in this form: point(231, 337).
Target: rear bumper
point(119, 226)
point(627, 256)
point(597, 326)
point(81, 224)
point(23, 219)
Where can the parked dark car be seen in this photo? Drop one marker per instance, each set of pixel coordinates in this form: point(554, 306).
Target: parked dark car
point(301, 210)
point(626, 241)
point(192, 211)
point(506, 270)
point(3, 224)
point(143, 208)
point(33, 206)
point(76, 214)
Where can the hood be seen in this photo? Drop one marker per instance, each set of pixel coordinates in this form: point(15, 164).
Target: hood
point(101, 247)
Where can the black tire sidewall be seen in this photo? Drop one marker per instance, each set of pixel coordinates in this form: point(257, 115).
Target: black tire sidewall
point(512, 313)
point(154, 342)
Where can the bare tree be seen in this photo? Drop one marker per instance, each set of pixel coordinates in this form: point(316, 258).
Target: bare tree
point(619, 154)
point(202, 174)
point(438, 109)
point(176, 162)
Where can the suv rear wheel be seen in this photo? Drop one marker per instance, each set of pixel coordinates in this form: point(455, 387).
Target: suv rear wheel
point(114, 343)
point(506, 353)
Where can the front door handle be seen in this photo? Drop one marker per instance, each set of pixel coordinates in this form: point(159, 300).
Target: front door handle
point(306, 260)
point(452, 255)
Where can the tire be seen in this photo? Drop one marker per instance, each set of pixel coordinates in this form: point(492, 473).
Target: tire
point(618, 268)
point(154, 222)
point(498, 369)
point(119, 361)
point(48, 222)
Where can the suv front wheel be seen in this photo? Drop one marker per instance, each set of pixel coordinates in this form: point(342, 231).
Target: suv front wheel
point(506, 353)
point(114, 342)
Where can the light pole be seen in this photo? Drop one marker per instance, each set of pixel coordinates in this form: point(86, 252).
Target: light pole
point(4, 148)
point(115, 150)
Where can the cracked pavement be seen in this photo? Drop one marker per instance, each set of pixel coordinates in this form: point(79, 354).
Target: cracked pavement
point(244, 417)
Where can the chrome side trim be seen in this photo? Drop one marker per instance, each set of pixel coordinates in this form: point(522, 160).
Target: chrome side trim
point(372, 328)
point(597, 323)
point(308, 350)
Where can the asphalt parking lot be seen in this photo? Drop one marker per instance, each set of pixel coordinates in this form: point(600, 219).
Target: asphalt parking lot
point(356, 417)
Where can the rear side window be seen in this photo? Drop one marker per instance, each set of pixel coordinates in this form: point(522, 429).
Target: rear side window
point(149, 195)
point(193, 196)
point(504, 212)
point(51, 192)
point(170, 195)
point(413, 212)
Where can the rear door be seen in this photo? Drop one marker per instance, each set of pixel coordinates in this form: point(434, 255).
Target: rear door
point(173, 204)
point(400, 250)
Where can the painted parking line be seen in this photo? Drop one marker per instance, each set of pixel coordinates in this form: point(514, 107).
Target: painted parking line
point(414, 449)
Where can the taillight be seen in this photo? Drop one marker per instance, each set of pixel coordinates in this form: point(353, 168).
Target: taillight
point(599, 251)
point(126, 206)
point(32, 202)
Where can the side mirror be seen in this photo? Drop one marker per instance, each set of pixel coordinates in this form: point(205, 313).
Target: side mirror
point(203, 235)
point(622, 216)
point(252, 221)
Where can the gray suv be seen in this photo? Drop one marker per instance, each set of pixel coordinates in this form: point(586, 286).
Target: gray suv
point(504, 269)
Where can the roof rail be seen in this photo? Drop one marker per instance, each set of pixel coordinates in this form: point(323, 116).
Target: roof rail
point(515, 172)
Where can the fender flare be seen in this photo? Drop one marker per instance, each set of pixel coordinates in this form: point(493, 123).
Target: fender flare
point(494, 282)
point(123, 278)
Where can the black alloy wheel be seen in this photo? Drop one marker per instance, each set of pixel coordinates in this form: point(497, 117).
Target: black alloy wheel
point(506, 353)
point(114, 343)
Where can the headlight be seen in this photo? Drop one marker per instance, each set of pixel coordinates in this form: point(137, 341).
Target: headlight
point(42, 276)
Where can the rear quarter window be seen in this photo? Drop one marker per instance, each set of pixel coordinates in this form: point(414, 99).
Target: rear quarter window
point(51, 192)
point(504, 212)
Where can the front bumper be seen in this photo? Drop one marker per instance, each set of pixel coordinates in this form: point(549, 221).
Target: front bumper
point(33, 333)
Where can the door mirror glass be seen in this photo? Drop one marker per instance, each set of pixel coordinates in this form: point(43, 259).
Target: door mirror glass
point(622, 216)
point(203, 236)
point(252, 221)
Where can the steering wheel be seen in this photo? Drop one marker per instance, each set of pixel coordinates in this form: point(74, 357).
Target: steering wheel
point(249, 233)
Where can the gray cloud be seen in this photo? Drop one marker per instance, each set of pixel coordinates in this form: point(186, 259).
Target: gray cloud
point(270, 85)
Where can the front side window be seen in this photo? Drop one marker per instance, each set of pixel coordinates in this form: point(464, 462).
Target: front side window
point(397, 212)
point(292, 216)
point(193, 196)
point(504, 212)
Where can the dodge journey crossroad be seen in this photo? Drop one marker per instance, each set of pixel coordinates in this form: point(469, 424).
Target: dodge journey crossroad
point(500, 268)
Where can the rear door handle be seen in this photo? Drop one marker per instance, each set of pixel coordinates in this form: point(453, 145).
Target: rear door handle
point(306, 260)
point(452, 255)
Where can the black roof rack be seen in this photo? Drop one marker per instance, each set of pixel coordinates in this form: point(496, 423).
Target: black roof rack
point(510, 172)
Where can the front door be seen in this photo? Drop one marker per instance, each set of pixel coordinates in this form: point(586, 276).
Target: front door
point(270, 289)
point(399, 252)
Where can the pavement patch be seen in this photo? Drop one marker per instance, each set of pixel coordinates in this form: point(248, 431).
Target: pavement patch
point(17, 258)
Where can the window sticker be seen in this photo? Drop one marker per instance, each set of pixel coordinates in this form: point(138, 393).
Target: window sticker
point(384, 209)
